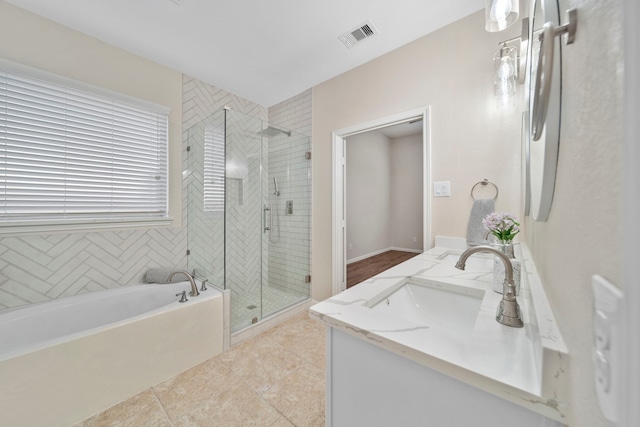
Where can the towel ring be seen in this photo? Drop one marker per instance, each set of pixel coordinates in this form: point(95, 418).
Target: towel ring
point(484, 182)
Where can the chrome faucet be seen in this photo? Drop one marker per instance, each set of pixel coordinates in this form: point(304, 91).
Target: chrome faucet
point(508, 311)
point(194, 288)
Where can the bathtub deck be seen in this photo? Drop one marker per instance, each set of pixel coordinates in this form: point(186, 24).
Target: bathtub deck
point(274, 379)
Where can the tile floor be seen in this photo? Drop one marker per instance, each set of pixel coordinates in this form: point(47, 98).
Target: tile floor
point(274, 379)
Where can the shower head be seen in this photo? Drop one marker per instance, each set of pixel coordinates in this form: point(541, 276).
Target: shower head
point(270, 131)
point(275, 186)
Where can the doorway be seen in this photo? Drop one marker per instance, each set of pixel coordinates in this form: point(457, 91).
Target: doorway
point(384, 199)
point(419, 120)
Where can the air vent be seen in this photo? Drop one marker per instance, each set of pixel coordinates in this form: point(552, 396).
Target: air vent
point(358, 34)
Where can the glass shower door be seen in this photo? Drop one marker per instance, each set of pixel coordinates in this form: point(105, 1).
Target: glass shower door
point(289, 237)
point(244, 216)
point(248, 195)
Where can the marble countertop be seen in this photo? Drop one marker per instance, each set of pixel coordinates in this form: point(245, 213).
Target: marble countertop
point(527, 366)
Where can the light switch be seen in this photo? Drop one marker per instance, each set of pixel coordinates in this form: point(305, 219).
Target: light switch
point(442, 189)
point(606, 344)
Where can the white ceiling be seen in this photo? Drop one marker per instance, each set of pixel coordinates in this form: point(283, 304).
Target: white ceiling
point(263, 50)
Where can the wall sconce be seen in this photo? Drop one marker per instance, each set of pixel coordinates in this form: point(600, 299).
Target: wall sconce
point(509, 67)
point(506, 73)
point(500, 14)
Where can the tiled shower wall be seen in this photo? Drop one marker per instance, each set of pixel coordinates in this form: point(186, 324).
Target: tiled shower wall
point(44, 267)
point(289, 256)
point(294, 113)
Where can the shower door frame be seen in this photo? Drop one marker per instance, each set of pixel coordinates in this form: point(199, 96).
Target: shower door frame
point(339, 276)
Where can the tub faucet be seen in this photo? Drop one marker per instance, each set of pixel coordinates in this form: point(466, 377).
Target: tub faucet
point(508, 311)
point(194, 288)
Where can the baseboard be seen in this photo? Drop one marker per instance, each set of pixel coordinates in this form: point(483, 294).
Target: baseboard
point(365, 256)
point(415, 251)
point(381, 251)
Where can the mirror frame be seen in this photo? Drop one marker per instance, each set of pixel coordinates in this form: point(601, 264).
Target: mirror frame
point(543, 154)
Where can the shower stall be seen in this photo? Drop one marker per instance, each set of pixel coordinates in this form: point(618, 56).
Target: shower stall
point(248, 197)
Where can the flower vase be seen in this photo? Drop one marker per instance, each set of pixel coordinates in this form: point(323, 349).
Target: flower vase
point(499, 268)
point(506, 248)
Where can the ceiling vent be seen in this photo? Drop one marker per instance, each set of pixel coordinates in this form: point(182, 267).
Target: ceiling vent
point(358, 34)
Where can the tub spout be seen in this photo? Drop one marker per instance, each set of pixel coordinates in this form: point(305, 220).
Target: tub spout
point(194, 288)
point(508, 311)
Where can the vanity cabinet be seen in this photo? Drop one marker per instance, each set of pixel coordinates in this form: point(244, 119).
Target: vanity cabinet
point(370, 386)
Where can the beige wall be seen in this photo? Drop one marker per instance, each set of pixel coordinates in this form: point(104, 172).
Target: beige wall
point(406, 192)
point(470, 141)
point(452, 71)
point(37, 268)
point(37, 42)
point(368, 175)
point(583, 235)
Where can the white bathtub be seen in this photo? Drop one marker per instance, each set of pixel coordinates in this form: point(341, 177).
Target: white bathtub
point(68, 359)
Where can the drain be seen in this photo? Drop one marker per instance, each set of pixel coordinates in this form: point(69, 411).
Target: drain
point(251, 307)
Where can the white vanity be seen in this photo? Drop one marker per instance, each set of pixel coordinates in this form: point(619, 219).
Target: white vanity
point(418, 345)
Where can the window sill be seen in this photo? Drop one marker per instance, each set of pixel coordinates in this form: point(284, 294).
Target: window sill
point(96, 225)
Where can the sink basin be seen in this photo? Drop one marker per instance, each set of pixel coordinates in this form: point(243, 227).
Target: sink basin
point(431, 303)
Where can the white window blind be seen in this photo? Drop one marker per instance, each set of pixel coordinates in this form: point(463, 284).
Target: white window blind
point(73, 153)
point(214, 169)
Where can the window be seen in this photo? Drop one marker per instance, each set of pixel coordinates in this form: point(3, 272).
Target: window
point(71, 153)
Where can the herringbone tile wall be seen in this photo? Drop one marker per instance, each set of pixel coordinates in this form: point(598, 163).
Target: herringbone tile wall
point(43, 267)
point(294, 113)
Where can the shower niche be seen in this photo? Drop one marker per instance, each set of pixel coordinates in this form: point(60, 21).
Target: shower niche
point(240, 173)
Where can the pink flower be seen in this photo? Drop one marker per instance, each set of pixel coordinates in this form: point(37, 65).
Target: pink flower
point(502, 225)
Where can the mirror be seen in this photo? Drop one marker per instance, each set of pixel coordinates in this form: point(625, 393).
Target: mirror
point(543, 152)
point(526, 175)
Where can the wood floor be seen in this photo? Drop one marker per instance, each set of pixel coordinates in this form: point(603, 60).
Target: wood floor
point(360, 271)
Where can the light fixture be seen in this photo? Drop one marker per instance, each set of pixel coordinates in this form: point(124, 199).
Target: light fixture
point(506, 73)
point(500, 14)
point(509, 65)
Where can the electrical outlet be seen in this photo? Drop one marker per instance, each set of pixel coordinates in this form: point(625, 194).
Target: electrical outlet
point(606, 344)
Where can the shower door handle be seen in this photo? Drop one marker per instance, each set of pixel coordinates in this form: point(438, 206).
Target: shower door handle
point(264, 218)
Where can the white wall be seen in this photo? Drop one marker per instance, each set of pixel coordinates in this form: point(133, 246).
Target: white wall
point(368, 195)
point(406, 193)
